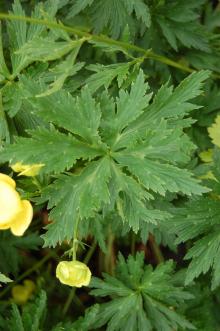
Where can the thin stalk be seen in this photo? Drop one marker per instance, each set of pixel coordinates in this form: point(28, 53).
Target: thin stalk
point(68, 301)
point(156, 250)
point(133, 242)
point(35, 267)
point(109, 261)
point(75, 239)
point(101, 38)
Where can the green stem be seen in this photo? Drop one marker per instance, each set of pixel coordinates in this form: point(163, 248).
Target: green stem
point(68, 301)
point(75, 239)
point(110, 256)
point(133, 241)
point(101, 38)
point(156, 250)
point(35, 267)
point(73, 290)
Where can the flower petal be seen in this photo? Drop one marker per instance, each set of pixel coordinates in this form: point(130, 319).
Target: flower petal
point(5, 226)
point(73, 273)
point(29, 170)
point(7, 179)
point(17, 167)
point(10, 203)
point(22, 219)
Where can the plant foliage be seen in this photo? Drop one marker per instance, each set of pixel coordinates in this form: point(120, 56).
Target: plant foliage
point(117, 104)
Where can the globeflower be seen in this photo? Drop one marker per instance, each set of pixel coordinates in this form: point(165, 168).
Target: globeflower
point(15, 214)
point(30, 170)
point(73, 273)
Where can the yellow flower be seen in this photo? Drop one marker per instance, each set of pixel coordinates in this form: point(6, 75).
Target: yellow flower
point(73, 273)
point(21, 293)
point(15, 214)
point(27, 170)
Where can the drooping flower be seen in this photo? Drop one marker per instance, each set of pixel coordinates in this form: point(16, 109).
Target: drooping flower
point(73, 273)
point(15, 214)
point(30, 170)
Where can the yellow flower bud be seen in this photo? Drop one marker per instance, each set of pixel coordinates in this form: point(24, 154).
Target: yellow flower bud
point(27, 170)
point(22, 293)
point(15, 214)
point(73, 273)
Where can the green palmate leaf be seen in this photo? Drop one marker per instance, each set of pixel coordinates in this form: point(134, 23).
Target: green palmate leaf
point(142, 299)
point(179, 24)
point(62, 150)
point(205, 254)
point(113, 14)
point(200, 217)
point(80, 116)
point(160, 177)
point(21, 34)
point(161, 142)
point(34, 43)
point(74, 197)
point(130, 199)
point(30, 43)
point(141, 154)
point(31, 317)
point(16, 320)
point(167, 104)
point(129, 107)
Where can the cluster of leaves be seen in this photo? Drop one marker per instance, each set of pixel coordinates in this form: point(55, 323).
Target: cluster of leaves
point(93, 91)
point(199, 220)
point(127, 155)
point(142, 299)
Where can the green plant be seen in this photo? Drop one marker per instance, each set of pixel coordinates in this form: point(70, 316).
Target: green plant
point(106, 125)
